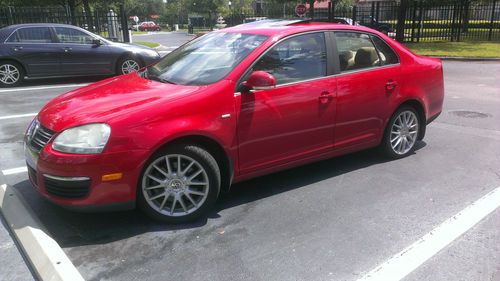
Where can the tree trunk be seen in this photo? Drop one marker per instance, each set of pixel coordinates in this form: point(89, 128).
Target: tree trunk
point(311, 9)
point(72, 11)
point(88, 15)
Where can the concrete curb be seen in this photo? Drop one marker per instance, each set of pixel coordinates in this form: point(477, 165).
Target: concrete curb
point(46, 257)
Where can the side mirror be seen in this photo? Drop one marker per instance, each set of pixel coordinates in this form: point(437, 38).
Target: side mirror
point(96, 42)
point(260, 80)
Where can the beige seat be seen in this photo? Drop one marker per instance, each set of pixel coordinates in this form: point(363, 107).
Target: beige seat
point(346, 60)
point(366, 57)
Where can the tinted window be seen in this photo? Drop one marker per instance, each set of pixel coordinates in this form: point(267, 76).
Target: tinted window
point(70, 35)
point(299, 58)
point(31, 35)
point(386, 54)
point(356, 51)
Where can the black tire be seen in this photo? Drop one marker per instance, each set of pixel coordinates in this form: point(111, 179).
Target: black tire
point(211, 168)
point(386, 145)
point(120, 63)
point(11, 70)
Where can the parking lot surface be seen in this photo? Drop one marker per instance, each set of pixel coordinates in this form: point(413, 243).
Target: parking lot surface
point(332, 220)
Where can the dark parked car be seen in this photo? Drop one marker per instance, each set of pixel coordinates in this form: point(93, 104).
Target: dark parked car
point(372, 22)
point(57, 50)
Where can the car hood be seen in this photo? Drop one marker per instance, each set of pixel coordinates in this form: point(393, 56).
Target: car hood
point(110, 99)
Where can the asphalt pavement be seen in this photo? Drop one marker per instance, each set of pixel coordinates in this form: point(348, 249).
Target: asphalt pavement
point(169, 41)
point(333, 220)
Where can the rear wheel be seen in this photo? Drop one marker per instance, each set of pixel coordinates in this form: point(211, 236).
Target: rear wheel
point(179, 184)
point(401, 133)
point(11, 74)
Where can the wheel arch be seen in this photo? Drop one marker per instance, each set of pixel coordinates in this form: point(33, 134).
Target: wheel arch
point(419, 107)
point(124, 55)
point(25, 69)
point(215, 149)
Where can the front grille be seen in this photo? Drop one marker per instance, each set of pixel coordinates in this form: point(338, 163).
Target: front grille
point(40, 137)
point(32, 175)
point(67, 188)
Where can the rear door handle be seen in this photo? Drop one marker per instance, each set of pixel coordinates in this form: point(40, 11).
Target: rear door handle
point(390, 86)
point(67, 49)
point(325, 97)
point(18, 48)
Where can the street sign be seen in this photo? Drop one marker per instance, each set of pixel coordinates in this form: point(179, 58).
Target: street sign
point(300, 10)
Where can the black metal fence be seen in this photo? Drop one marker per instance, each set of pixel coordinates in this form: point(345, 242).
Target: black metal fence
point(409, 21)
point(106, 23)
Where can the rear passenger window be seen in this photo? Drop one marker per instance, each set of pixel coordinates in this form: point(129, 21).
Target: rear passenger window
point(31, 35)
point(386, 54)
point(356, 51)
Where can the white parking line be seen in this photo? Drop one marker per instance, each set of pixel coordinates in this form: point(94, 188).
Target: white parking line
point(13, 171)
point(404, 262)
point(43, 88)
point(18, 116)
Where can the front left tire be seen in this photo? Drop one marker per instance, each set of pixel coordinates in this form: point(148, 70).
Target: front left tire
point(11, 74)
point(179, 184)
point(128, 64)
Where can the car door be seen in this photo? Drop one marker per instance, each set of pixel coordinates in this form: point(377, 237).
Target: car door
point(80, 56)
point(368, 80)
point(34, 47)
point(296, 118)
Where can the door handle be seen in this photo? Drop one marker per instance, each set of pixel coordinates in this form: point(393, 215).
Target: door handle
point(18, 48)
point(325, 97)
point(390, 86)
point(67, 49)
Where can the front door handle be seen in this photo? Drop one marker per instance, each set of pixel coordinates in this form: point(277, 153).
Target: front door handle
point(18, 48)
point(390, 86)
point(325, 97)
point(67, 49)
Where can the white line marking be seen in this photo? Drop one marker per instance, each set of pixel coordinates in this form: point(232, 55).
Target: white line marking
point(15, 171)
point(43, 88)
point(404, 262)
point(18, 116)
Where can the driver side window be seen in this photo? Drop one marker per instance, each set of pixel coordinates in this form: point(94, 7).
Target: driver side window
point(296, 59)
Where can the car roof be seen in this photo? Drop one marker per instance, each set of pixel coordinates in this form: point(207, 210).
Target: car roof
point(284, 27)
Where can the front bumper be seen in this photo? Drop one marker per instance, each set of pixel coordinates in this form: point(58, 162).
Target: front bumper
point(75, 180)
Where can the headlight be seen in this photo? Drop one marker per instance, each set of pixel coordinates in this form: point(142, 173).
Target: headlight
point(86, 139)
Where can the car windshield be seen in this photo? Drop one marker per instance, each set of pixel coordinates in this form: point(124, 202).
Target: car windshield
point(205, 60)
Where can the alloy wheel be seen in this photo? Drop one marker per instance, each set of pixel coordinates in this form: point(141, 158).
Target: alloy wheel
point(9, 74)
point(175, 185)
point(404, 132)
point(129, 66)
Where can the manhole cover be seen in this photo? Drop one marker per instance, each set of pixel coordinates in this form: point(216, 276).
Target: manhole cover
point(469, 114)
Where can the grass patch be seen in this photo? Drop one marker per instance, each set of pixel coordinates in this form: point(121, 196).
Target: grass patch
point(457, 49)
point(139, 32)
point(148, 44)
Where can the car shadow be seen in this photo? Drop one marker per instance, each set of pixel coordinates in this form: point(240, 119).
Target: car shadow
point(71, 229)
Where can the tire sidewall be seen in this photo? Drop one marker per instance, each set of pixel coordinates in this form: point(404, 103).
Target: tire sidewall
point(20, 69)
point(386, 143)
point(213, 173)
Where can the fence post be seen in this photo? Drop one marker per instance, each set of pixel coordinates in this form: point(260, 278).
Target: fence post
point(492, 21)
point(123, 21)
point(400, 26)
point(10, 19)
point(330, 10)
point(354, 11)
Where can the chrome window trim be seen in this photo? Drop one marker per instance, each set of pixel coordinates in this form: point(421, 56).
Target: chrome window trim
point(327, 76)
point(24, 27)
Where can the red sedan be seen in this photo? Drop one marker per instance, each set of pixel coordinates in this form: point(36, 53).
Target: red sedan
point(149, 26)
point(231, 105)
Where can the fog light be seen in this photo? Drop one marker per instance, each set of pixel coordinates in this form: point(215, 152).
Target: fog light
point(112, 177)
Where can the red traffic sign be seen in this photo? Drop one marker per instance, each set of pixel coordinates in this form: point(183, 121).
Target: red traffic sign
point(300, 10)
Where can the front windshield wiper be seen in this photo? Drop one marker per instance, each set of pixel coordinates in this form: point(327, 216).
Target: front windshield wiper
point(149, 76)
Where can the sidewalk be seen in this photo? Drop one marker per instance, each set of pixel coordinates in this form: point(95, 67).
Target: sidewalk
point(14, 267)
